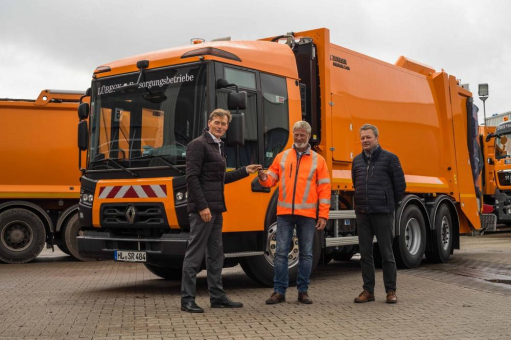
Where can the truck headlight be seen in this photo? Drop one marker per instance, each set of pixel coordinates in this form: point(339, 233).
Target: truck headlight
point(179, 196)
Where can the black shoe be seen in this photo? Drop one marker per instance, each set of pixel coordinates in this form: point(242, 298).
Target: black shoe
point(225, 303)
point(191, 307)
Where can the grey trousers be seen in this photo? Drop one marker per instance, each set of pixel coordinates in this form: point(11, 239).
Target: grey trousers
point(381, 225)
point(205, 239)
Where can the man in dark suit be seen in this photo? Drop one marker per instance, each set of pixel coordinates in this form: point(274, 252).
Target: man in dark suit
point(205, 179)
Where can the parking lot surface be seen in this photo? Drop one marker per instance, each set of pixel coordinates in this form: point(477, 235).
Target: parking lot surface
point(57, 298)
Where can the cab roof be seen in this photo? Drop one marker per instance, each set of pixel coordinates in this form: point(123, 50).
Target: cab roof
point(264, 56)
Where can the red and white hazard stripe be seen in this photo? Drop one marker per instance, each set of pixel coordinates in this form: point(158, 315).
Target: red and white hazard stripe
point(133, 191)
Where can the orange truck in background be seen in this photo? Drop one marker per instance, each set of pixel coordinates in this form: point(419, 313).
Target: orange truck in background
point(496, 142)
point(39, 176)
point(144, 110)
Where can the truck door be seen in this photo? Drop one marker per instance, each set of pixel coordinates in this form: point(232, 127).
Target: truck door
point(343, 137)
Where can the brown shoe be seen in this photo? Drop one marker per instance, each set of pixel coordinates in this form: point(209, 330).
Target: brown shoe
point(391, 297)
point(365, 296)
point(276, 298)
point(304, 298)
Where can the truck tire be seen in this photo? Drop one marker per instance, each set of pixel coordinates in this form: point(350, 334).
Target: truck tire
point(22, 236)
point(71, 229)
point(409, 246)
point(441, 236)
point(168, 273)
point(261, 268)
point(64, 249)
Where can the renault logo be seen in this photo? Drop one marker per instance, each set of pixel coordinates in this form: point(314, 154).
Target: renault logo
point(130, 214)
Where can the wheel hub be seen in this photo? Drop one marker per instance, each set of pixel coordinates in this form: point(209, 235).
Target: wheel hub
point(446, 233)
point(16, 236)
point(413, 236)
point(271, 247)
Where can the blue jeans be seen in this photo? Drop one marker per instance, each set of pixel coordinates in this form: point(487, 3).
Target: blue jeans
point(305, 229)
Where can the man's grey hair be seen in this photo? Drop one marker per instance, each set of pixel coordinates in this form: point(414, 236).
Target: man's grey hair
point(370, 127)
point(302, 124)
point(220, 113)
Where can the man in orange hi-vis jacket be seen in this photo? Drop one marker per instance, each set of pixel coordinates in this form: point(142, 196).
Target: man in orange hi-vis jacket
point(304, 202)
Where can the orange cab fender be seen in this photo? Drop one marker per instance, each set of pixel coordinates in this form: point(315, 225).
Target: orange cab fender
point(409, 200)
point(45, 218)
point(66, 215)
point(271, 211)
point(455, 219)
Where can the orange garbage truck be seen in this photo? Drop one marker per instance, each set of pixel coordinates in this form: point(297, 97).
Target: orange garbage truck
point(145, 110)
point(496, 147)
point(39, 176)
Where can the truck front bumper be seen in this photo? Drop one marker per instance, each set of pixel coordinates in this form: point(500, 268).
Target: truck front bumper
point(503, 206)
point(103, 244)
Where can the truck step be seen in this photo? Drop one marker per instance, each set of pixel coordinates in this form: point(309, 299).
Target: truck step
point(488, 222)
point(342, 241)
point(341, 214)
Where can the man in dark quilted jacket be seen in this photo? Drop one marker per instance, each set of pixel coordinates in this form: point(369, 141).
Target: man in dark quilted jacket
point(380, 185)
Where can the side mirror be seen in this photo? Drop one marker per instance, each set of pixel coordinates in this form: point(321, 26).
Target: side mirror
point(83, 135)
point(237, 101)
point(236, 131)
point(489, 136)
point(490, 161)
point(83, 111)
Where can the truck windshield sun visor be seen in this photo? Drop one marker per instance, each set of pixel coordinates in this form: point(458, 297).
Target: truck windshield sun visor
point(211, 51)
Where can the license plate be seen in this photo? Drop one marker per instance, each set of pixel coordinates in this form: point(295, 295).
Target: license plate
point(130, 256)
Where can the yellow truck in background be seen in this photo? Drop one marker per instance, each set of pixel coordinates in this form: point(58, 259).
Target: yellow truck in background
point(496, 142)
point(39, 176)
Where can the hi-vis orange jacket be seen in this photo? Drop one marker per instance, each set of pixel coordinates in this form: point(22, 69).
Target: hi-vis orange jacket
point(304, 182)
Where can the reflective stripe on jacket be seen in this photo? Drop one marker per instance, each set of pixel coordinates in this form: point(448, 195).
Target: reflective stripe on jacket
point(304, 183)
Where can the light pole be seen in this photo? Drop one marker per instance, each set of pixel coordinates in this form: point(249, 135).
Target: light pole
point(483, 95)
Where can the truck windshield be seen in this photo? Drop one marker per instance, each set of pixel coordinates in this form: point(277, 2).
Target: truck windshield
point(503, 146)
point(151, 125)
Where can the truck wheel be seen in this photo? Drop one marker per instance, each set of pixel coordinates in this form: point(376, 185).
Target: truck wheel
point(71, 229)
point(441, 240)
point(64, 249)
point(167, 273)
point(22, 236)
point(261, 268)
point(410, 245)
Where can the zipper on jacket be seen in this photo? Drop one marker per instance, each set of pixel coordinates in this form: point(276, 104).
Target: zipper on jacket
point(291, 171)
point(299, 158)
point(367, 183)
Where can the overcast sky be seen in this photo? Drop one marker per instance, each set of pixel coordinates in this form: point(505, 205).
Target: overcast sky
point(57, 44)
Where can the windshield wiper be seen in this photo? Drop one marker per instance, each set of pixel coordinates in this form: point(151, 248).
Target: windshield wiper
point(162, 158)
point(118, 164)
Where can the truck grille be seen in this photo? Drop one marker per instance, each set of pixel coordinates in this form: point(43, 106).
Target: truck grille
point(504, 178)
point(140, 215)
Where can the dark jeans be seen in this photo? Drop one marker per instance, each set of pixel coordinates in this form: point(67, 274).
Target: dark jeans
point(381, 226)
point(205, 239)
point(305, 229)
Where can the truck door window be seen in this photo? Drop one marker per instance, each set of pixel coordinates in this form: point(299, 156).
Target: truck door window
point(249, 152)
point(241, 78)
point(276, 116)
